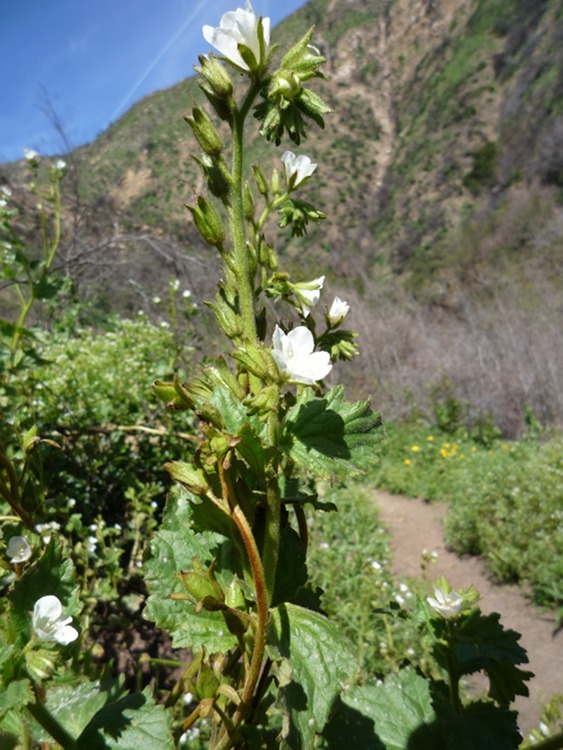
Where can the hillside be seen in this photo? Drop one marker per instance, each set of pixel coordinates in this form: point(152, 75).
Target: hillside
point(441, 174)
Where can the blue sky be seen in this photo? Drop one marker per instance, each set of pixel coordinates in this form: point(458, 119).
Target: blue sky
point(94, 59)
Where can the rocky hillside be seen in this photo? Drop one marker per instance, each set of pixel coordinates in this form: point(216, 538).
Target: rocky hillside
point(441, 173)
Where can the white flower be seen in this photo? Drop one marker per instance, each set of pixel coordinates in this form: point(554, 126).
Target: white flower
point(447, 605)
point(376, 565)
point(49, 622)
point(19, 549)
point(30, 154)
point(238, 27)
point(5, 190)
point(44, 529)
point(60, 164)
point(309, 294)
point(156, 300)
point(294, 355)
point(297, 169)
point(91, 543)
point(175, 285)
point(3, 202)
point(186, 294)
point(338, 311)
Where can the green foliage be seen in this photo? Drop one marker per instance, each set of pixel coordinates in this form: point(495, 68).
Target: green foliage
point(504, 497)
point(349, 561)
point(319, 662)
point(484, 167)
point(172, 551)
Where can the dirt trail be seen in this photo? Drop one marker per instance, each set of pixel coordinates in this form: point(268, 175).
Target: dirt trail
point(414, 526)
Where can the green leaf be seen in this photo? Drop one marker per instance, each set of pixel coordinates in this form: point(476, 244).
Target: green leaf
point(172, 551)
point(330, 436)
point(132, 722)
point(480, 642)
point(231, 409)
point(481, 725)
point(320, 661)
point(16, 695)
point(75, 705)
point(48, 287)
point(395, 715)
point(291, 572)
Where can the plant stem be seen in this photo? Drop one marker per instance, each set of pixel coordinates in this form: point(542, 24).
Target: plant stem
point(271, 547)
point(260, 633)
point(41, 714)
point(238, 232)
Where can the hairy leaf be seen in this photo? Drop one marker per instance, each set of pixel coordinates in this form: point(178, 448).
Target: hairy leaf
point(172, 551)
point(320, 662)
point(329, 436)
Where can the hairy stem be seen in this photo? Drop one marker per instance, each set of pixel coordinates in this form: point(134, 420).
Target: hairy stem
point(238, 231)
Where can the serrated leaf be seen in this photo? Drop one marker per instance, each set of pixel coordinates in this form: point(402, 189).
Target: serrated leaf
point(395, 715)
point(133, 722)
point(172, 551)
point(320, 661)
point(331, 436)
point(482, 643)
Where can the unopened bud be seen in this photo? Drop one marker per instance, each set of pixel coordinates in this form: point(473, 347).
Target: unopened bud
point(285, 84)
point(205, 131)
point(248, 202)
point(216, 75)
point(202, 585)
point(208, 222)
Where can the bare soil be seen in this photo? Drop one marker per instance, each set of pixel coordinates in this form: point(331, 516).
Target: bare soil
point(414, 526)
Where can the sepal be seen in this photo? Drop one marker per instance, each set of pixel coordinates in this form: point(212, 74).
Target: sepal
point(208, 222)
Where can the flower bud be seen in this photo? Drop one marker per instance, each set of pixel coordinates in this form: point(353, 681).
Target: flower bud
point(264, 401)
point(216, 174)
point(173, 394)
point(285, 84)
point(261, 182)
point(248, 202)
point(202, 585)
point(208, 222)
point(207, 683)
point(205, 131)
point(216, 75)
point(40, 664)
